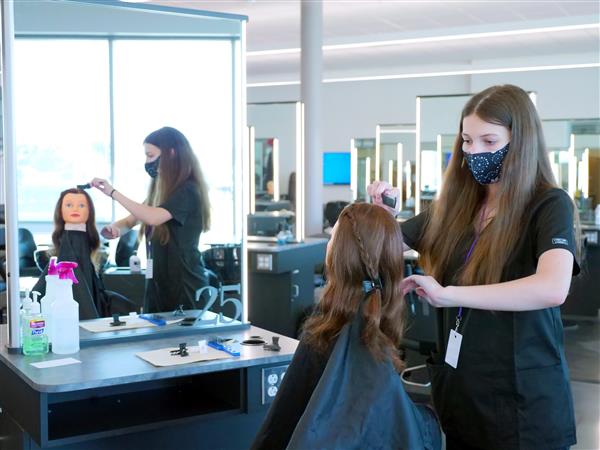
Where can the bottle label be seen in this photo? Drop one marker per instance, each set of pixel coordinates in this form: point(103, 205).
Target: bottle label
point(37, 327)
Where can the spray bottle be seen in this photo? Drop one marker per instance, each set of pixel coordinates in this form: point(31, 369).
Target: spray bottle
point(33, 327)
point(47, 300)
point(65, 312)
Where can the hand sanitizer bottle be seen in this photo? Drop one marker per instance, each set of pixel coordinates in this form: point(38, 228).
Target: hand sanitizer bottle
point(33, 329)
point(65, 312)
point(47, 300)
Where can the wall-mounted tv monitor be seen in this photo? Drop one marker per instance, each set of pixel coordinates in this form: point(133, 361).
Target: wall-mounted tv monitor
point(336, 168)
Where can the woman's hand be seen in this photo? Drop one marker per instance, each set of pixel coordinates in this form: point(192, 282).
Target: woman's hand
point(102, 185)
point(110, 231)
point(376, 189)
point(427, 288)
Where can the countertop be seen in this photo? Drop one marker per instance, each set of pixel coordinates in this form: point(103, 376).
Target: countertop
point(116, 363)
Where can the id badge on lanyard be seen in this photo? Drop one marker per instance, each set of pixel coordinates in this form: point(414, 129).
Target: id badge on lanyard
point(454, 341)
point(455, 338)
point(149, 261)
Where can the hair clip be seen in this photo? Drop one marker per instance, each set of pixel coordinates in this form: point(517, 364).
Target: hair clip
point(369, 285)
point(81, 187)
point(181, 351)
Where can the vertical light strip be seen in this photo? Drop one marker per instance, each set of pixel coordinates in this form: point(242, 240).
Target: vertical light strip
point(252, 166)
point(408, 176)
point(377, 153)
point(584, 173)
point(533, 97)
point(367, 174)
point(275, 169)
point(353, 170)
point(418, 159)
point(399, 181)
point(391, 172)
point(440, 164)
point(299, 172)
point(572, 167)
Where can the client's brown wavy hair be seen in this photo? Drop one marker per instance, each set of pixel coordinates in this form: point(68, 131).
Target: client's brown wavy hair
point(366, 245)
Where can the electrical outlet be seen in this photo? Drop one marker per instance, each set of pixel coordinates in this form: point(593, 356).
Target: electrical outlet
point(271, 381)
point(264, 261)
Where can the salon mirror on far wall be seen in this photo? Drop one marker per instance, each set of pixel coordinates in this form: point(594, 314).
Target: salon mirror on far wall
point(89, 115)
point(363, 152)
point(574, 151)
point(437, 126)
point(276, 170)
point(397, 153)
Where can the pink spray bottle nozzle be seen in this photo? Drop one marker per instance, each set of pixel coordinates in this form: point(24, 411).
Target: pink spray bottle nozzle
point(53, 266)
point(65, 271)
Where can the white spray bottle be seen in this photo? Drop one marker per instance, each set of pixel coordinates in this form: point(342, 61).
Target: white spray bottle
point(65, 312)
point(47, 300)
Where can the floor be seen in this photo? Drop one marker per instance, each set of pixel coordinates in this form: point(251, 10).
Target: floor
point(582, 348)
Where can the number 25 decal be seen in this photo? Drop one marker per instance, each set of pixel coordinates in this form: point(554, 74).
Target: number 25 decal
point(215, 293)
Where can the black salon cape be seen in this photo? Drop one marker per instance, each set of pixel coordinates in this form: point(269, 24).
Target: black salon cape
point(178, 269)
point(510, 390)
point(346, 401)
point(89, 292)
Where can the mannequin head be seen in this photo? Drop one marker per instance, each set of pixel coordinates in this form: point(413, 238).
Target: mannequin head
point(75, 207)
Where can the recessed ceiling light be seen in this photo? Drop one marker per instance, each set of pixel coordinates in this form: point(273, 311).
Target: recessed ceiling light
point(435, 74)
point(427, 39)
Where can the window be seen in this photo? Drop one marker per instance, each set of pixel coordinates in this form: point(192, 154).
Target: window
point(61, 121)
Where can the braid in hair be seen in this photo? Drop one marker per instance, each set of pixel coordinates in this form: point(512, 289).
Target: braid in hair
point(372, 308)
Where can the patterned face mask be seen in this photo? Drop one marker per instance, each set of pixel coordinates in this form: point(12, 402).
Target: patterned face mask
point(152, 167)
point(485, 167)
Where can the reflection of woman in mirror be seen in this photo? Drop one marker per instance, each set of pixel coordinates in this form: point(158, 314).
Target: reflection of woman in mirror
point(344, 375)
point(268, 171)
point(498, 248)
point(173, 215)
point(75, 238)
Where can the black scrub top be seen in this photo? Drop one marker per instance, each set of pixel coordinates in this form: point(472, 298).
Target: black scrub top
point(178, 269)
point(89, 291)
point(510, 389)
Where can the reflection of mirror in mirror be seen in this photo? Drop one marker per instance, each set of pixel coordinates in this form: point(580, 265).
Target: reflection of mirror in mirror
point(101, 75)
point(363, 166)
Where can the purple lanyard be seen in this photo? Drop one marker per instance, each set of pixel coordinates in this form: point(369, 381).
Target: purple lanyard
point(477, 233)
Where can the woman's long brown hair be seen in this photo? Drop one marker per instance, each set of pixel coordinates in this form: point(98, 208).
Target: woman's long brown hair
point(366, 245)
point(59, 222)
point(526, 173)
point(178, 164)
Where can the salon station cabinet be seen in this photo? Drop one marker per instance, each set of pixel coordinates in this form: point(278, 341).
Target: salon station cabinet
point(281, 283)
point(113, 399)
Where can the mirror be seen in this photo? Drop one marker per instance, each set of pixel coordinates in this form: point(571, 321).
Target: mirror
point(397, 153)
point(88, 117)
point(276, 155)
point(574, 150)
point(437, 124)
point(585, 160)
point(363, 153)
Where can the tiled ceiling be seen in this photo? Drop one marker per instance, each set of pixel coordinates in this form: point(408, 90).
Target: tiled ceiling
point(276, 25)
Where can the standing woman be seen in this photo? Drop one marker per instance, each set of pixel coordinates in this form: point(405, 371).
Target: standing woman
point(498, 247)
point(173, 215)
